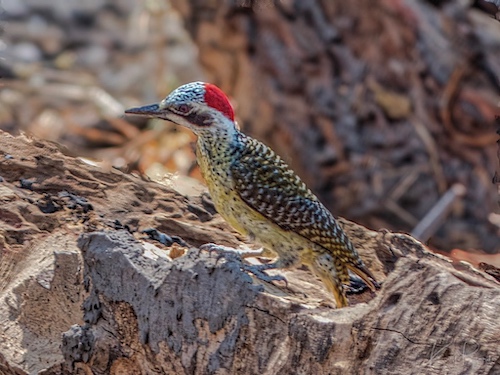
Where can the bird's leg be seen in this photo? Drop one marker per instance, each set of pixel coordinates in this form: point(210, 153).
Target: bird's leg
point(325, 268)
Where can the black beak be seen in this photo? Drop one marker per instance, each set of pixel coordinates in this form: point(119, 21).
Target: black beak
point(152, 110)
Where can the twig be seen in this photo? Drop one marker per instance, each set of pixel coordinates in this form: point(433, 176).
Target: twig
point(435, 217)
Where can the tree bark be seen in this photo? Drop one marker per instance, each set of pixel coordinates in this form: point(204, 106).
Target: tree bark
point(72, 237)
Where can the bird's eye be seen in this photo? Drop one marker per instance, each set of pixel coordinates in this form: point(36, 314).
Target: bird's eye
point(183, 108)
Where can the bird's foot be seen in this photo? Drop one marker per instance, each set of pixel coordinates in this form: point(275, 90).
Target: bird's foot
point(258, 271)
point(237, 254)
point(222, 251)
point(242, 251)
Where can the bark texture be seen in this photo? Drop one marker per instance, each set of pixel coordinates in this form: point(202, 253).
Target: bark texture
point(84, 291)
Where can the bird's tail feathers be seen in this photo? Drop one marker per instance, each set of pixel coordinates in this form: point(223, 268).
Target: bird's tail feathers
point(365, 275)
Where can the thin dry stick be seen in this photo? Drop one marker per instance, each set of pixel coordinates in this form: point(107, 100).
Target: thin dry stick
point(435, 217)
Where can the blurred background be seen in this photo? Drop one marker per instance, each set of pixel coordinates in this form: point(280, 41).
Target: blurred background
point(386, 109)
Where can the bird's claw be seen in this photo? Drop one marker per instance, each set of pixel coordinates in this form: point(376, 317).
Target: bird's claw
point(258, 271)
point(234, 254)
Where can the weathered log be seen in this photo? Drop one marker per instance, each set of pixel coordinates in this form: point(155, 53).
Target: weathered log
point(71, 237)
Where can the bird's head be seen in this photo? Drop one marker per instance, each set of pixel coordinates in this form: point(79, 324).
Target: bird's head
point(202, 107)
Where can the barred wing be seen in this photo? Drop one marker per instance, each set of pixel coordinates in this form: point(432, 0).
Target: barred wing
point(266, 183)
point(269, 186)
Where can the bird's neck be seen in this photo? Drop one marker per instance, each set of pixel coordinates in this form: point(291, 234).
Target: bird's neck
point(217, 145)
point(215, 153)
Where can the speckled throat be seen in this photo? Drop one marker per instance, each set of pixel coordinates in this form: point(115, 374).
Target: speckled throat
point(215, 153)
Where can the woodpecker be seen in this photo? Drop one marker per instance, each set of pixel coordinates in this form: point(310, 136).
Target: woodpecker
point(258, 194)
